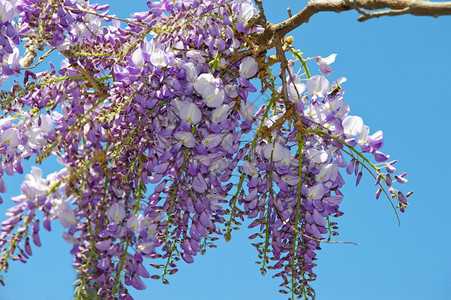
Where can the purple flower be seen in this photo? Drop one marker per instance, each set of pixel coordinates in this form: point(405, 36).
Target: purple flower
point(151, 132)
point(220, 113)
point(376, 140)
point(103, 245)
point(380, 157)
point(402, 198)
point(213, 96)
point(389, 166)
point(137, 282)
point(400, 178)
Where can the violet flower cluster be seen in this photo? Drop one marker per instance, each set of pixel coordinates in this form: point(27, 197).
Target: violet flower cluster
point(151, 118)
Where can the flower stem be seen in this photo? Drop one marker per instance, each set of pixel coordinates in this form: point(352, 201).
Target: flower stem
point(299, 56)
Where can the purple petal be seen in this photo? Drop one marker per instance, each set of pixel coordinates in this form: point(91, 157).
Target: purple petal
point(142, 271)
point(36, 239)
point(199, 207)
point(104, 263)
point(380, 157)
point(155, 178)
point(340, 160)
point(389, 167)
point(47, 225)
point(350, 167)
point(194, 233)
point(356, 167)
point(309, 217)
point(2, 186)
point(317, 85)
point(358, 178)
point(199, 184)
point(202, 230)
point(402, 198)
point(205, 220)
point(388, 180)
point(137, 283)
point(378, 179)
point(103, 245)
point(195, 245)
point(160, 187)
point(28, 247)
point(251, 196)
point(376, 140)
point(187, 258)
point(161, 168)
point(378, 193)
point(318, 218)
point(400, 178)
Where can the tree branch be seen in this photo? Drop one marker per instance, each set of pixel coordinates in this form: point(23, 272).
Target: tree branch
point(274, 32)
point(412, 7)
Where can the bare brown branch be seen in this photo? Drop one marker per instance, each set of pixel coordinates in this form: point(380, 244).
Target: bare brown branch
point(104, 15)
point(416, 8)
point(40, 60)
point(94, 84)
point(275, 32)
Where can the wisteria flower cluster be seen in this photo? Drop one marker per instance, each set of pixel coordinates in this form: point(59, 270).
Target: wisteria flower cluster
point(162, 148)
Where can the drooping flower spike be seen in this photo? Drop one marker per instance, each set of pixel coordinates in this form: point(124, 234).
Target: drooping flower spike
point(161, 147)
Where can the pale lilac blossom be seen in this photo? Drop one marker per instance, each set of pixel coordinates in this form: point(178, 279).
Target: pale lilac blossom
point(248, 67)
point(190, 113)
point(247, 110)
point(136, 223)
point(324, 64)
point(63, 212)
point(186, 138)
point(116, 213)
point(274, 151)
point(11, 137)
point(159, 58)
point(7, 10)
point(352, 125)
point(317, 85)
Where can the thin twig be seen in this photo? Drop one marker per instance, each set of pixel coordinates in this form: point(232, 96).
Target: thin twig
point(104, 16)
point(390, 12)
point(45, 55)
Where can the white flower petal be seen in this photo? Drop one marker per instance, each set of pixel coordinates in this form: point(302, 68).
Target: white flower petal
point(190, 113)
point(352, 125)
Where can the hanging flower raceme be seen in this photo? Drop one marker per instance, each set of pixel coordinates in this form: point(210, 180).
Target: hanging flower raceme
point(152, 121)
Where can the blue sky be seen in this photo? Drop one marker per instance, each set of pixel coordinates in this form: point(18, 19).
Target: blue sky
point(398, 81)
